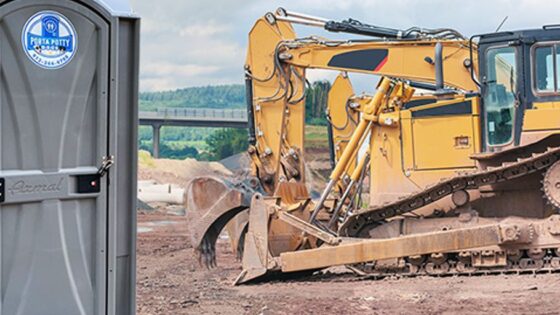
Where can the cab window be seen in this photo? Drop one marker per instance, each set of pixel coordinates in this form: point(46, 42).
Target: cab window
point(546, 68)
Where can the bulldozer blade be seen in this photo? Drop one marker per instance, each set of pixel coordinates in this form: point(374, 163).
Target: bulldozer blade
point(354, 250)
point(257, 259)
point(211, 204)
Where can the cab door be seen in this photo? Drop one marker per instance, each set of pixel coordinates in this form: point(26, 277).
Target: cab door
point(501, 96)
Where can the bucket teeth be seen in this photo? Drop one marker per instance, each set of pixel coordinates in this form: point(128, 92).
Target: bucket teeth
point(207, 254)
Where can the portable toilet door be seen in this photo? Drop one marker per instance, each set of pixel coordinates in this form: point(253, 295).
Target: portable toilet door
point(62, 117)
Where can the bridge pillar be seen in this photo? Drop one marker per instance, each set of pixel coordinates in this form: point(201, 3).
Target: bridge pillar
point(156, 128)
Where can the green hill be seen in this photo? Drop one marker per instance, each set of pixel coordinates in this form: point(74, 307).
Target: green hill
point(221, 96)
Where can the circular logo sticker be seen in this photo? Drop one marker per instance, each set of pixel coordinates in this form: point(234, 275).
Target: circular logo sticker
point(49, 40)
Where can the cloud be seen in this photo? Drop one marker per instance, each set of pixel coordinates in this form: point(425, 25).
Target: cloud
point(196, 43)
point(165, 69)
point(202, 30)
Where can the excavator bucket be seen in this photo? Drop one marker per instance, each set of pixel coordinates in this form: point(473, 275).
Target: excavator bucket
point(213, 204)
point(236, 230)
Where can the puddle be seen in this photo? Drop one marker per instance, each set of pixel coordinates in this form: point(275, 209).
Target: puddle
point(150, 226)
point(163, 223)
point(144, 229)
point(180, 211)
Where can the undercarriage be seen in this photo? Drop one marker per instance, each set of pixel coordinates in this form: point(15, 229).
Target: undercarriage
point(541, 254)
point(529, 185)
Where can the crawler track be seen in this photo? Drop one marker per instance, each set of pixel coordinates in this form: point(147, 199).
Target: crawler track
point(549, 263)
point(468, 181)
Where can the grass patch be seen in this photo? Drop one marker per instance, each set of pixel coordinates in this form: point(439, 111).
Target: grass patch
point(316, 137)
point(145, 159)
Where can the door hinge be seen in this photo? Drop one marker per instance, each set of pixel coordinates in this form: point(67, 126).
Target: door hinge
point(2, 190)
point(108, 162)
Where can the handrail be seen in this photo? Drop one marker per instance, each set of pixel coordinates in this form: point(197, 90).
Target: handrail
point(194, 113)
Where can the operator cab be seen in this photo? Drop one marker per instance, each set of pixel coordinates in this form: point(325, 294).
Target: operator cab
point(517, 70)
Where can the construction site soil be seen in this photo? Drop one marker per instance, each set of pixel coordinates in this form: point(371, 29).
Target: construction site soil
point(171, 281)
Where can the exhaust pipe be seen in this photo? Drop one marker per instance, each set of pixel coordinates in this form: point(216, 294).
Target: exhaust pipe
point(439, 66)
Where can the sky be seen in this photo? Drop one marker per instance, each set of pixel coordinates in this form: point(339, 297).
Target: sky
point(186, 43)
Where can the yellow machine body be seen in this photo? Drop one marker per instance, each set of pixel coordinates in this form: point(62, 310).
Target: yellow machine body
point(447, 190)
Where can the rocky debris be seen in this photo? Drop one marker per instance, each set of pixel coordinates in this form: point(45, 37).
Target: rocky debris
point(142, 206)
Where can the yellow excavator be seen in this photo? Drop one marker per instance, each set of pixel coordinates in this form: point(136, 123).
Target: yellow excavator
point(452, 166)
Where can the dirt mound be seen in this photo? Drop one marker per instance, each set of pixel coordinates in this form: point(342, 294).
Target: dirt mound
point(179, 172)
point(237, 163)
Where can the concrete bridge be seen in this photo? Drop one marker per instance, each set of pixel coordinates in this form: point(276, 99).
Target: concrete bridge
point(191, 117)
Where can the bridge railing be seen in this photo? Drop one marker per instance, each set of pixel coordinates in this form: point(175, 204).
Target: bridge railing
point(204, 113)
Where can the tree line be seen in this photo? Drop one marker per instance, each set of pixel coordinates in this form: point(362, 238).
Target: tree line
point(221, 96)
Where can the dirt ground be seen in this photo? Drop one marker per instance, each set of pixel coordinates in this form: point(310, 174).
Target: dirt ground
point(171, 282)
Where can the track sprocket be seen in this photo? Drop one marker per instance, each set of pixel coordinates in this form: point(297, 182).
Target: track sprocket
point(551, 184)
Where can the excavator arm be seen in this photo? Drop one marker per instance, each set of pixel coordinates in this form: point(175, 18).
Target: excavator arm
point(407, 60)
point(277, 61)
